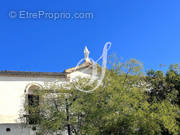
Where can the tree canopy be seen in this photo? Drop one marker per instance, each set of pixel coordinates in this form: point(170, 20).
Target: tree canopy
point(126, 103)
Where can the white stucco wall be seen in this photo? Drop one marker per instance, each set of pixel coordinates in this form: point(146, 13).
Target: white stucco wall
point(12, 95)
point(15, 129)
point(12, 98)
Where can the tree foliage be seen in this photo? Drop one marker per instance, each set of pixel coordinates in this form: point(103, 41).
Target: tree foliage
point(120, 106)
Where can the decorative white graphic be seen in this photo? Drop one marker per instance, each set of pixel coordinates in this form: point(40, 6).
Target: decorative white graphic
point(94, 76)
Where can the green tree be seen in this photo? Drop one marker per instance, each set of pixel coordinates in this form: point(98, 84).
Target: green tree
point(120, 106)
point(164, 86)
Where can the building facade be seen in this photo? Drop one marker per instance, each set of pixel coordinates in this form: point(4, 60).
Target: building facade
point(16, 85)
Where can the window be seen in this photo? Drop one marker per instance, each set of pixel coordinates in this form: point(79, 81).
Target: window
point(8, 129)
point(33, 103)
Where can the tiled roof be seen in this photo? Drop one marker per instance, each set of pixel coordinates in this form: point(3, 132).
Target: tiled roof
point(32, 74)
point(82, 66)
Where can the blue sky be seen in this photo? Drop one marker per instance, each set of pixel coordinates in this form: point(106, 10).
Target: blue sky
point(148, 30)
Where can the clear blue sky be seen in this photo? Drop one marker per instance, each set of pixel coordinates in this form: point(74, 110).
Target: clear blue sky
point(148, 30)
